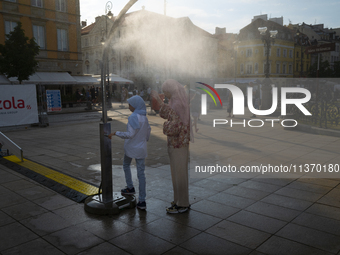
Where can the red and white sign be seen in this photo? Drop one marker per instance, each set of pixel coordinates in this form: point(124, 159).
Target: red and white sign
point(18, 105)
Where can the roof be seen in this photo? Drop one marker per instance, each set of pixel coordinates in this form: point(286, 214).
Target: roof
point(88, 28)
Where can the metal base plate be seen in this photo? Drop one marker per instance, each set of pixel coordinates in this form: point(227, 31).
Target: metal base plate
point(96, 205)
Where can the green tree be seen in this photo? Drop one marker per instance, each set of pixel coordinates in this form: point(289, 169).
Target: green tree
point(325, 70)
point(18, 55)
point(336, 69)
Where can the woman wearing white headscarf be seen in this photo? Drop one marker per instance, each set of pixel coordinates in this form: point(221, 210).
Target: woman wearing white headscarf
point(136, 137)
point(177, 130)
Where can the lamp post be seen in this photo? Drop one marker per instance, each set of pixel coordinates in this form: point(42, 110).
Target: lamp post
point(268, 38)
point(108, 14)
point(108, 202)
point(300, 42)
point(234, 57)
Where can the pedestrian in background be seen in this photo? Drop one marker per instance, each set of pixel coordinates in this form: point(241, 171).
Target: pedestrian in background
point(135, 146)
point(230, 105)
point(177, 130)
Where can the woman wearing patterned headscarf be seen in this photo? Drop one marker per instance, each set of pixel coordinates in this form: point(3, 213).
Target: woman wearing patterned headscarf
point(177, 130)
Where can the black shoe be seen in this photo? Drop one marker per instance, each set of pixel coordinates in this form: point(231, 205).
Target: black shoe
point(141, 205)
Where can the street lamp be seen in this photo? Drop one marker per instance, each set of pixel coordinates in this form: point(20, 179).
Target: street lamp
point(108, 14)
point(234, 57)
point(108, 202)
point(299, 35)
point(268, 39)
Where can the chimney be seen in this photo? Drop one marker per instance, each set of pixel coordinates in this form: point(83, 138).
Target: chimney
point(84, 23)
point(98, 18)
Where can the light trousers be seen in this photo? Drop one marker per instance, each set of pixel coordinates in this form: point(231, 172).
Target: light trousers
point(140, 164)
point(179, 158)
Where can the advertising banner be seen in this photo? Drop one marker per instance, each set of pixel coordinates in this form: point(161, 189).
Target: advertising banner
point(18, 105)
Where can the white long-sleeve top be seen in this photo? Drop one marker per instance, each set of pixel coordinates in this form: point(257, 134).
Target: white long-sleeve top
point(135, 145)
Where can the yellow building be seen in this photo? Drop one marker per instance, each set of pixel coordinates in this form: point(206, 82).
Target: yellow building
point(251, 53)
point(55, 24)
point(302, 61)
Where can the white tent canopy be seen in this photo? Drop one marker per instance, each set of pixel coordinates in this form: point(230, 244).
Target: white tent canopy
point(4, 80)
point(53, 78)
point(115, 79)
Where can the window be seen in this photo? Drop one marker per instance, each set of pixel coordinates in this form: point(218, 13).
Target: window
point(269, 68)
point(297, 54)
point(114, 65)
point(284, 68)
point(277, 68)
point(131, 65)
point(37, 3)
point(278, 52)
point(241, 68)
point(256, 51)
point(285, 53)
point(265, 52)
point(249, 52)
point(297, 67)
point(256, 68)
point(290, 68)
point(60, 5)
point(62, 40)
point(291, 53)
point(39, 35)
point(9, 26)
point(249, 69)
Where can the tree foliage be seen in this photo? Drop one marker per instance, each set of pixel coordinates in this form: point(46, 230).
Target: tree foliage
point(325, 70)
point(18, 55)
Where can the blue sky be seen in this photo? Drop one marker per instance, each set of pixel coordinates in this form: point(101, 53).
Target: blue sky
point(231, 14)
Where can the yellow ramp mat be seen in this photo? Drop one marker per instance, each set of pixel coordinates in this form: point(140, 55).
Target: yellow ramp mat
point(70, 182)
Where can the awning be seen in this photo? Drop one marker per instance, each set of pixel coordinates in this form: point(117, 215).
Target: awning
point(55, 78)
point(115, 79)
point(48, 78)
point(245, 80)
point(86, 80)
point(4, 80)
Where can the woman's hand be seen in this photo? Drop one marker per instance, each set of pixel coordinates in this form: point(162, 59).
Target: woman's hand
point(155, 95)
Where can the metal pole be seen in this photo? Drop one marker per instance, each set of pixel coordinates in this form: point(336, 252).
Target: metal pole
point(104, 113)
point(105, 128)
point(267, 59)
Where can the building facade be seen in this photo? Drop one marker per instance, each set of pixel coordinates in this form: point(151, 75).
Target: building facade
point(318, 35)
point(149, 48)
point(251, 52)
point(55, 25)
point(226, 54)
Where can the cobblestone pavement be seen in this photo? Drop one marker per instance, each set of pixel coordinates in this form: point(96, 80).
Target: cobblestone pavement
point(231, 213)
